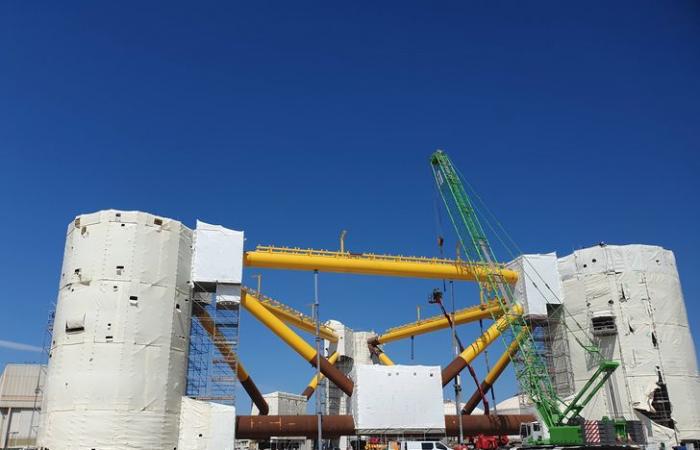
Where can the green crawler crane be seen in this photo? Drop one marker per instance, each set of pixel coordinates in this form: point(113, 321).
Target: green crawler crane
point(561, 419)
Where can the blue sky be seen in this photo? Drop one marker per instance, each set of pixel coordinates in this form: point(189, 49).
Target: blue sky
point(577, 123)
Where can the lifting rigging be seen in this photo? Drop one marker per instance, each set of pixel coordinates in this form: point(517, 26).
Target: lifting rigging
point(561, 418)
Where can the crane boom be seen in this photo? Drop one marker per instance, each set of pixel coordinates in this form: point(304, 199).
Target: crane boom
point(530, 368)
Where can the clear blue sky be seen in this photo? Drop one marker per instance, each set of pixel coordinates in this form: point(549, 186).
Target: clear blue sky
point(576, 122)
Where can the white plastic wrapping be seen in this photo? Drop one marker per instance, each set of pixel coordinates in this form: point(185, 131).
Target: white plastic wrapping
point(118, 355)
point(639, 286)
point(218, 255)
point(397, 399)
point(283, 404)
point(538, 283)
point(206, 426)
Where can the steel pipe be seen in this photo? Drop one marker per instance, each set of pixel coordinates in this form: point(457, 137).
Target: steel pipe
point(472, 314)
point(494, 373)
point(372, 264)
point(262, 427)
point(311, 387)
point(478, 346)
point(277, 326)
point(206, 321)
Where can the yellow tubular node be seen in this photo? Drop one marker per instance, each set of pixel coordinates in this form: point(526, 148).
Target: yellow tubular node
point(315, 380)
point(440, 322)
point(490, 334)
point(385, 359)
point(371, 264)
point(253, 305)
point(505, 358)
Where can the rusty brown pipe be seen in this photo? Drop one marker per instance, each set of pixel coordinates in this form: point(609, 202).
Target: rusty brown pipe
point(262, 427)
point(231, 359)
point(476, 398)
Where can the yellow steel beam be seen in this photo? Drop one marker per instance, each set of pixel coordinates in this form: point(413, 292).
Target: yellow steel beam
point(438, 322)
point(277, 326)
point(311, 387)
point(478, 346)
point(293, 317)
point(377, 351)
point(373, 264)
point(384, 359)
point(495, 372)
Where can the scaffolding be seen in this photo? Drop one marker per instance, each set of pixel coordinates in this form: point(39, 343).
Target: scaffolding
point(557, 352)
point(210, 375)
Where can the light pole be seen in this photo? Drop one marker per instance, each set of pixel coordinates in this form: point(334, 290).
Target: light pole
point(316, 316)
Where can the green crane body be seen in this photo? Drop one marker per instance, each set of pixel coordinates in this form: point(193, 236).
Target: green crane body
point(561, 418)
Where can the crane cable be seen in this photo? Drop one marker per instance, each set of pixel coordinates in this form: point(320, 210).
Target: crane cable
point(513, 249)
point(438, 301)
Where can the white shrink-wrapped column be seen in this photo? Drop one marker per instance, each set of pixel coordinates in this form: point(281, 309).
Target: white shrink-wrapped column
point(117, 366)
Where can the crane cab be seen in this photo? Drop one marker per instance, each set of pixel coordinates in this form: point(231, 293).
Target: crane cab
point(532, 433)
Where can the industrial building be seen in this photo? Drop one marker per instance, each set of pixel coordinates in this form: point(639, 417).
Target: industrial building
point(21, 388)
point(143, 353)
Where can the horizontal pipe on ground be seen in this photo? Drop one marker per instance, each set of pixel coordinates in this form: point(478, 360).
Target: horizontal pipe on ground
point(263, 427)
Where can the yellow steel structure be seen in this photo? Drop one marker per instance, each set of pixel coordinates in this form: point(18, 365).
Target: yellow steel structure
point(384, 359)
point(373, 264)
point(293, 317)
point(313, 384)
point(439, 322)
point(495, 372)
point(277, 326)
point(478, 346)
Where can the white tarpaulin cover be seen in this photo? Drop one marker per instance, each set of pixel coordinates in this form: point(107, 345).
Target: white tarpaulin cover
point(397, 399)
point(637, 285)
point(218, 255)
point(538, 283)
point(206, 426)
point(120, 337)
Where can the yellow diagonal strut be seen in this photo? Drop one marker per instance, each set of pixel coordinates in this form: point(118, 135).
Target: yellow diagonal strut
point(311, 387)
point(293, 317)
point(373, 264)
point(439, 322)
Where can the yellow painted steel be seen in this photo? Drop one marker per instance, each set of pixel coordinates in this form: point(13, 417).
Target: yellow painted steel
point(293, 317)
point(384, 359)
point(315, 380)
point(439, 322)
point(373, 264)
point(253, 305)
point(495, 330)
point(505, 358)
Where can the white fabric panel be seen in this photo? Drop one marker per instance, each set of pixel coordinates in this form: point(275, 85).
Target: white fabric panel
point(538, 283)
point(228, 293)
point(206, 426)
point(117, 384)
point(283, 404)
point(639, 286)
point(218, 255)
point(397, 399)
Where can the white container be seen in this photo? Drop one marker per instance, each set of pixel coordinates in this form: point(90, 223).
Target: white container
point(118, 355)
point(206, 426)
point(397, 399)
